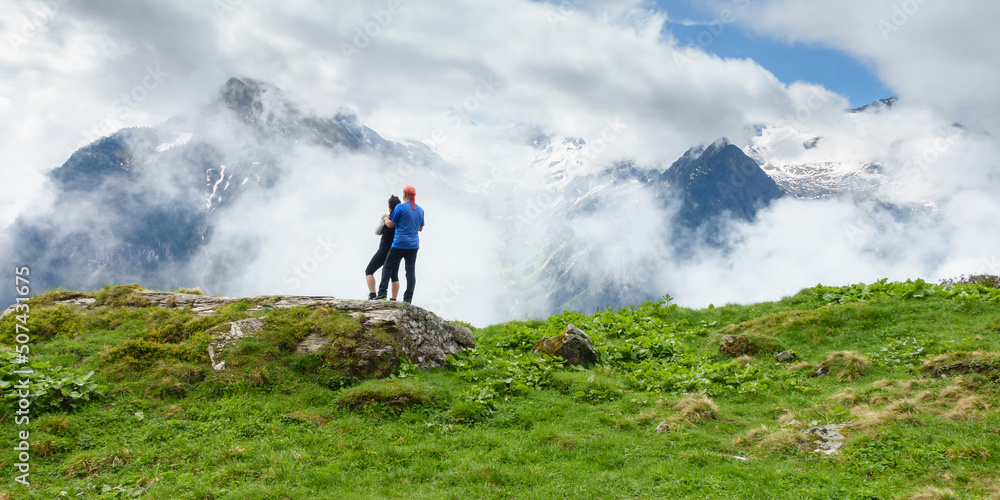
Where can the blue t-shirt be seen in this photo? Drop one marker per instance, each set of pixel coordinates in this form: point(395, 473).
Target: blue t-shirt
point(408, 222)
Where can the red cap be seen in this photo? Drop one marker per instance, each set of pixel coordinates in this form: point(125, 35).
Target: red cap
point(412, 193)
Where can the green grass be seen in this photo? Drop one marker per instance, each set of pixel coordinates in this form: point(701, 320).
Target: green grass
point(500, 422)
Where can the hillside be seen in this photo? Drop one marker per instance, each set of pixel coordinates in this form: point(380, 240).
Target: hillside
point(680, 403)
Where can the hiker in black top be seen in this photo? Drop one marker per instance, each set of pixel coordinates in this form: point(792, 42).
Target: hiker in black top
point(383, 250)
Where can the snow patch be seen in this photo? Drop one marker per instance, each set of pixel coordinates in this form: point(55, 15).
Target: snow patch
point(181, 139)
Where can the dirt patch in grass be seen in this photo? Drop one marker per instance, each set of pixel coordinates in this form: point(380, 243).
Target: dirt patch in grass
point(965, 362)
point(740, 345)
point(89, 464)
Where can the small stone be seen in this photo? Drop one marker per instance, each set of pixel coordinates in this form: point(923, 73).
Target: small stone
point(663, 427)
point(786, 356)
point(828, 438)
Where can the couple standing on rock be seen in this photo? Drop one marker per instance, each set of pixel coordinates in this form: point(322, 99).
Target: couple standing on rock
point(400, 230)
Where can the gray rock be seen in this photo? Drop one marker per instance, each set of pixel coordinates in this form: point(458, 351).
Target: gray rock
point(243, 328)
point(419, 335)
point(786, 356)
point(827, 440)
point(572, 344)
point(820, 371)
point(312, 343)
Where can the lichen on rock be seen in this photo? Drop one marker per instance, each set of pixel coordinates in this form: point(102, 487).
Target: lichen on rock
point(572, 344)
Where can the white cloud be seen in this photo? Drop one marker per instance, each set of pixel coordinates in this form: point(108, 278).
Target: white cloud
point(459, 74)
point(940, 54)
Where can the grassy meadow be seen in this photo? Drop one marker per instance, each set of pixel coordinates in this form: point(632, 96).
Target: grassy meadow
point(125, 404)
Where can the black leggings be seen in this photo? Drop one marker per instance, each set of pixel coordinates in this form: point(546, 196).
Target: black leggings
point(378, 260)
point(392, 268)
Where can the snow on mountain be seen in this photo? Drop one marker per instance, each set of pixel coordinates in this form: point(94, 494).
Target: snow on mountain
point(806, 165)
point(182, 139)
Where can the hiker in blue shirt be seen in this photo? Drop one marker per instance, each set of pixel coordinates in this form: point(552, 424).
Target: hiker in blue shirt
point(408, 220)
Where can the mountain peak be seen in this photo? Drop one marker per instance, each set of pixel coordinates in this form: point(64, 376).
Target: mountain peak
point(719, 179)
point(246, 97)
point(877, 106)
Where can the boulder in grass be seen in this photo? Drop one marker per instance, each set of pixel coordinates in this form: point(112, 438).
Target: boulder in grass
point(573, 345)
point(786, 356)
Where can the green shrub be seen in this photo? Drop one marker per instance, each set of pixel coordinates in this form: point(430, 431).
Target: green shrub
point(57, 294)
point(49, 387)
point(45, 322)
point(142, 353)
point(466, 411)
point(394, 394)
point(286, 328)
point(121, 296)
point(588, 386)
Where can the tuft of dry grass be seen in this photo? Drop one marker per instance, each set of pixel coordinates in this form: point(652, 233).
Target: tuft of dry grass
point(969, 453)
point(791, 419)
point(53, 424)
point(866, 417)
point(743, 360)
point(309, 418)
point(845, 365)
point(90, 465)
point(44, 448)
point(799, 366)
point(847, 398)
point(752, 436)
point(954, 392)
point(905, 408)
point(644, 418)
point(934, 493)
point(697, 407)
point(785, 439)
point(967, 408)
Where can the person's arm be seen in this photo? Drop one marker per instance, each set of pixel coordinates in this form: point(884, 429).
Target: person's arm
point(421, 229)
point(388, 222)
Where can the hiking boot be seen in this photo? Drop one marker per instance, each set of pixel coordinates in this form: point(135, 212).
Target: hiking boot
point(371, 296)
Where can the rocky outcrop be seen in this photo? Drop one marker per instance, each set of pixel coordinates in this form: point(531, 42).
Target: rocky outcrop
point(237, 330)
point(419, 335)
point(416, 334)
point(572, 344)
